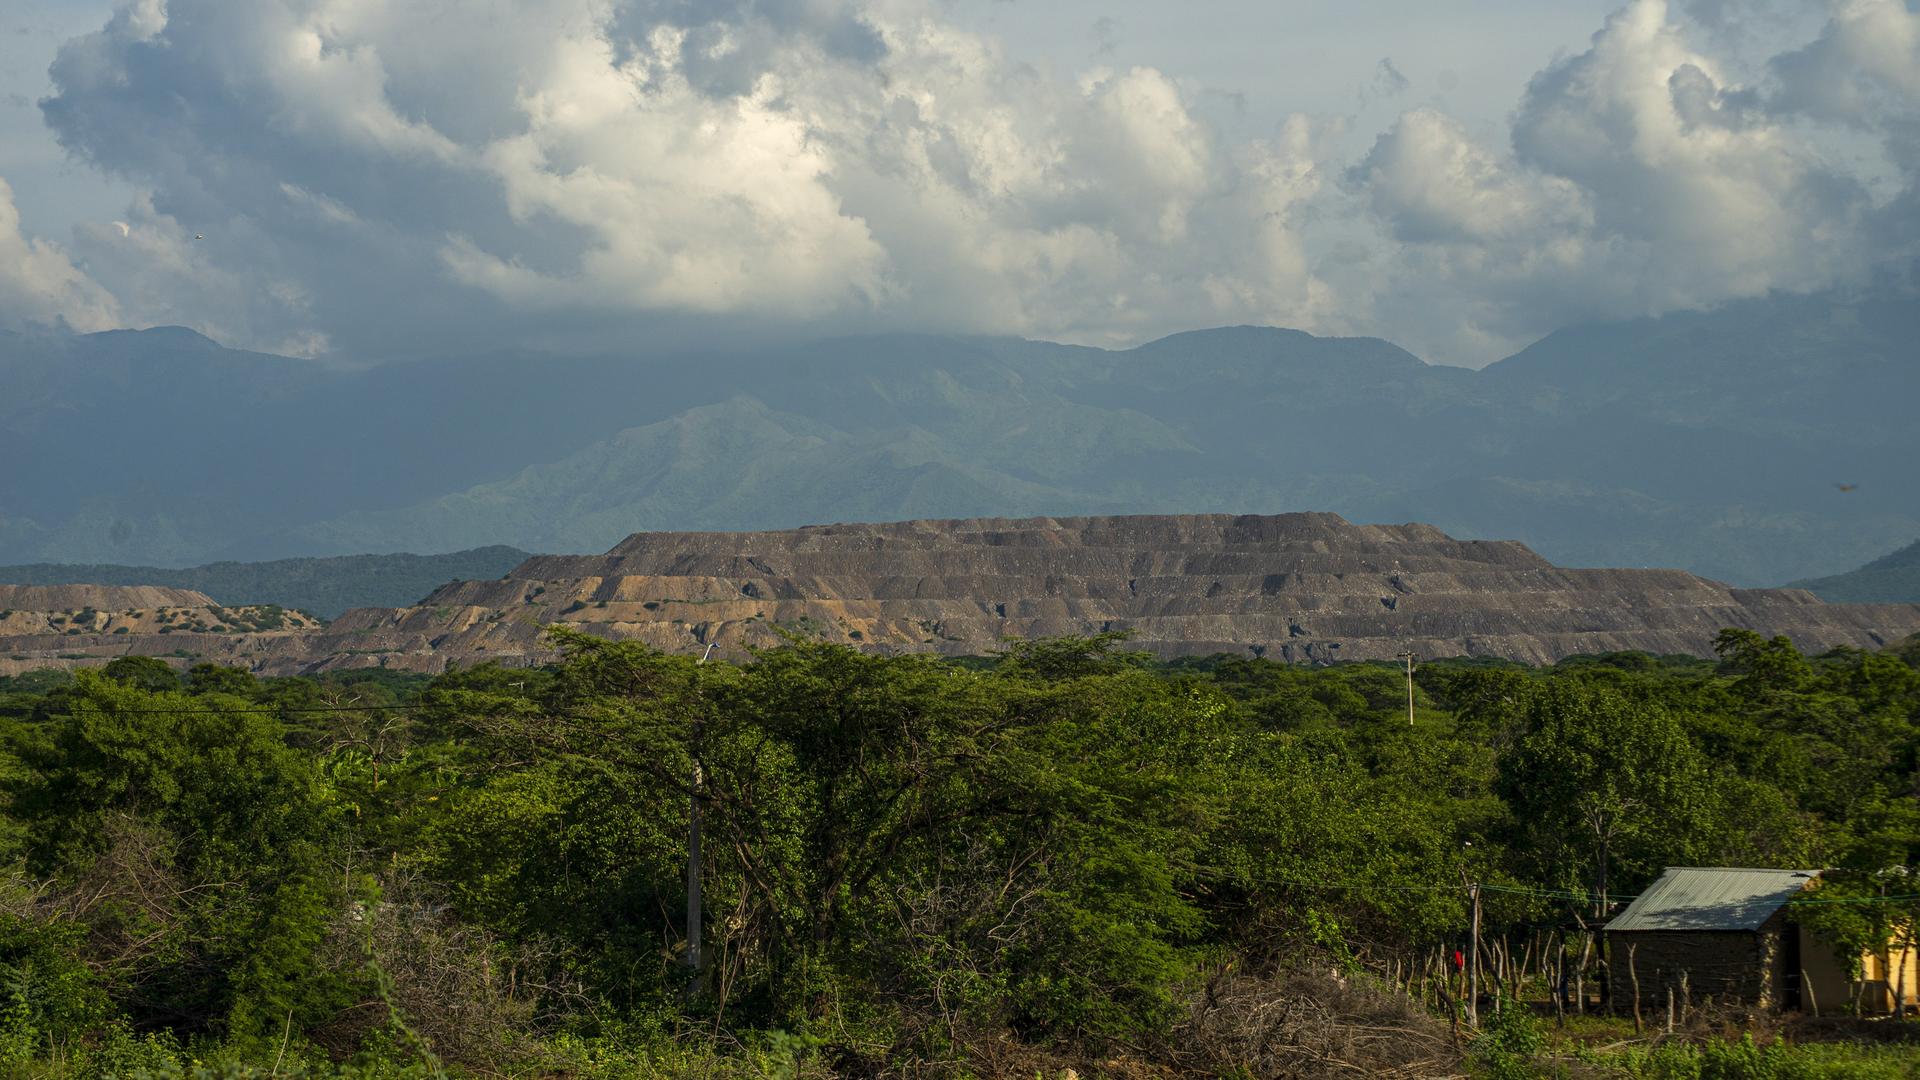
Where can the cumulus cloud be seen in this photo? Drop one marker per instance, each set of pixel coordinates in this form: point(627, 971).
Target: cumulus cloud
point(1640, 178)
point(413, 165)
point(159, 273)
point(380, 175)
point(1863, 69)
point(40, 285)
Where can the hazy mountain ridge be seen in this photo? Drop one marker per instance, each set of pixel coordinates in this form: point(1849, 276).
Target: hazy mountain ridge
point(324, 587)
point(1710, 441)
point(1893, 578)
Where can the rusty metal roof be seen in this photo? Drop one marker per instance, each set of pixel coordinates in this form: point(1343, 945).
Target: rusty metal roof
point(1711, 898)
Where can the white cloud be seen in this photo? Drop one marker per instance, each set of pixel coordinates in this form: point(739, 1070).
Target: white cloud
point(815, 162)
point(1723, 201)
point(39, 283)
point(432, 174)
point(692, 202)
point(161, 275)
point(1640, 180)
point(1864, 68)
point(1431, 183)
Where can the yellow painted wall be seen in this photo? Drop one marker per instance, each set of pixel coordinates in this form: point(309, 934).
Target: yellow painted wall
point(1825, 978)
point(1882, 974)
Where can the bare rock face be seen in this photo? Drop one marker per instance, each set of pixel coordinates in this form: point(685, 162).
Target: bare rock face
point(1293, 587)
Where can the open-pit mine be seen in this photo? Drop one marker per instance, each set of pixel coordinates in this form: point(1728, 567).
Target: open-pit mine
point(1303, 588)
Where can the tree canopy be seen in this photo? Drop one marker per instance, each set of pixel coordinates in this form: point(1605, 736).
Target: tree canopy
point(907, 859)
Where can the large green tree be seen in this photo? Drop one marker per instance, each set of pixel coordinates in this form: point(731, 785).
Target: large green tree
point(1598, 782)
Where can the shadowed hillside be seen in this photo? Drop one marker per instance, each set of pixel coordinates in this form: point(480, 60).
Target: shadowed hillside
point(1300, 588)
point(323, 587)
point(1890, 579)
point(1714, 442)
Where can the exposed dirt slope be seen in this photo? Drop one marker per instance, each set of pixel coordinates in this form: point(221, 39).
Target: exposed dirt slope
point(1298, 587)
point(75, 625)
point(98, 597)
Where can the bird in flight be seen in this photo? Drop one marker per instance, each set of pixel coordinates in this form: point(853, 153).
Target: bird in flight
point(1846, 487)
point(197, 236)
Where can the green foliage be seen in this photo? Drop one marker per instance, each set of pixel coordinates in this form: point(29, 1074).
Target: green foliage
point(1509, 1044)
point(143, 673)
point(1597, 779)
point(1744, 1059)
point(46, 993)
point(906, 859)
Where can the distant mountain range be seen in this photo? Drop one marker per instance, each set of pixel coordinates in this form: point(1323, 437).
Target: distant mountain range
point(1892, 578)
point(323, 587)
point(1709, 441)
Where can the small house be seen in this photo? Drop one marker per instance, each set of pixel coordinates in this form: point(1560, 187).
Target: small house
point(1729, 934)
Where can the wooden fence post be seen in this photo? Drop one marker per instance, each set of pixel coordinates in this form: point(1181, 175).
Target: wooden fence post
point(1580, 975)
point(1560, 983)
point(1633, 974)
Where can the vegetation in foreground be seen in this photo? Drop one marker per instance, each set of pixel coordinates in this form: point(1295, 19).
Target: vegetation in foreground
point(1068, 857)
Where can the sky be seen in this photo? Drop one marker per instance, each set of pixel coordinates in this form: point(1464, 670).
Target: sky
point(366, 179)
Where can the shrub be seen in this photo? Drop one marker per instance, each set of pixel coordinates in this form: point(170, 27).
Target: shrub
point(142, 673)
point(46, 993)
point(1509, 1042)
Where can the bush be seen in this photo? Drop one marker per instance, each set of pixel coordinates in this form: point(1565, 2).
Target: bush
point(1512, 1038)
point(117, 1051)
point(142, 673)
point(46, 993)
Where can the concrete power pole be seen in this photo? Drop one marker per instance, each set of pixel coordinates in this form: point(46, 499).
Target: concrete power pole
point(693, 860)
point(1409, 658)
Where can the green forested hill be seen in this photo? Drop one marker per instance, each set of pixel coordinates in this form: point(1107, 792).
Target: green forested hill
point(1710, 441)
point(324, 586)
point(1891, 579)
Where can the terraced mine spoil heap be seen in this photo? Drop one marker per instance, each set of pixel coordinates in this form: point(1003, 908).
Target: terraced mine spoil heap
point(77, 625)
point(1297, 587)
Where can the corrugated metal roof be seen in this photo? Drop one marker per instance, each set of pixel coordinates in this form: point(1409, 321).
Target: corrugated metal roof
point(1711, 898)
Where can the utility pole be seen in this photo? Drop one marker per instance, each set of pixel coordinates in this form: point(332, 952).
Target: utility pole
point(1473, 944)
point(693, 852)
point(1408, 657)
point(1473, 962)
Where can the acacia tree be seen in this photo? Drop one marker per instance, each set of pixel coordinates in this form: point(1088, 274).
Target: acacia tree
point(1597, 777)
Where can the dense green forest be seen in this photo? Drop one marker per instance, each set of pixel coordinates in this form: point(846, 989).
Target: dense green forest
point(1066, 856)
